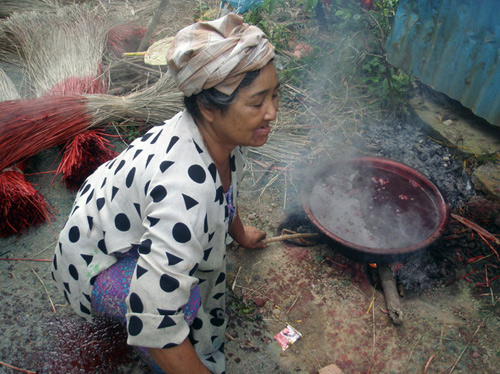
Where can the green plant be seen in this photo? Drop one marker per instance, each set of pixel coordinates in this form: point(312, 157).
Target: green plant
point(270, 5)
point(390, 85)
point(277, 33)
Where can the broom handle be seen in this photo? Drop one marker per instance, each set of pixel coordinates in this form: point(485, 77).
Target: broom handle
point(290, 236)
point(152, 25)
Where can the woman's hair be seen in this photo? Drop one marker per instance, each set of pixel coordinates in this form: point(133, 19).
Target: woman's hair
point(212, 99)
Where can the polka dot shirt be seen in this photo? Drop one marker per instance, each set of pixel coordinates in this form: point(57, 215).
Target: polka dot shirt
point(164, 194)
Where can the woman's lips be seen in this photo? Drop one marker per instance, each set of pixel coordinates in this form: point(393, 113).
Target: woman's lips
point(263, 131)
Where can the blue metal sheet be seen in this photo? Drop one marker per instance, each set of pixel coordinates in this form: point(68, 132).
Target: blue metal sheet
point(452, 46)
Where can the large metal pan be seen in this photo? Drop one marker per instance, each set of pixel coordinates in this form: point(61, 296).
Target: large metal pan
point(375, 209)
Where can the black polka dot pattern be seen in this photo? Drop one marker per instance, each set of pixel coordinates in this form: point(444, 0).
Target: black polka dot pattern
point(146, 137)
point(168, 283)
point(145, 247)
point(136, 303)
point(189, 201)
point(114, 192)
point(130, 178)
point(155, 139)
point(73, 272)
point(120, 166)
point(100, 203)
point(173, 141)
point(181, 233)
point(135, 326)
point(165, 165)
point(74, 234)
point(158, 193)
point(173, 259)
point(213, 171)
point(102, 246)
point(198, 148)
point(148, 160)
point(163, 196)
point(197, 174)
point(122, 222)
point(166, 322)
point(89, 198)
point(86, 187)
point(88, 259)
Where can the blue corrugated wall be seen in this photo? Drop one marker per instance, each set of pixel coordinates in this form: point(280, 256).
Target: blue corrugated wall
point(452, 46)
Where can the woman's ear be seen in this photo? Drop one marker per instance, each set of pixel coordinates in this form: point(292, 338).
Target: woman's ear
point(207, 114)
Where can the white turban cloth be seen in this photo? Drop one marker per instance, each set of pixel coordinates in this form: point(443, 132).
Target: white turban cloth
point(217, 54)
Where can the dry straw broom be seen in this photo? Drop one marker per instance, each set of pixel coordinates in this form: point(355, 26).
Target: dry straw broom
point(92, 146)
point(7, 7)
point(8, 90)
point(61, 51)
point(33, 125)
point(21, 205)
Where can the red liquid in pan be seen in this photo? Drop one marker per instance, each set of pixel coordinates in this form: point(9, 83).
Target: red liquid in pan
point(374, 208)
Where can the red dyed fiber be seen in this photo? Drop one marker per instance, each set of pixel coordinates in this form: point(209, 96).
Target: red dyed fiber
point(28, 127)
point(77, 85)
point(83, 155)
point(125, 38)
point(21, 206)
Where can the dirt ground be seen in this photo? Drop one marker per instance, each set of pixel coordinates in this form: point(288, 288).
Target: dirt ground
point(327, 297)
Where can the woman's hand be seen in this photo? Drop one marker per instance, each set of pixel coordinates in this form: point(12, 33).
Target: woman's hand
point(253, 237)
point(181, 359)
point(247, 236)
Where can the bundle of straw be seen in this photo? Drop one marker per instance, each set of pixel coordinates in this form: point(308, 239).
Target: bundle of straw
point(61, 52)
point(58, 48)
point(21, 205)
point(8, 90)
point(33, 125)
point(152, 105)
point(7, 7)
point(125, 37)
point(91, 146)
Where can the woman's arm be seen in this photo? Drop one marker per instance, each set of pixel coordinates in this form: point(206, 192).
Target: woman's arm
point(246, 236)
point(181, 359)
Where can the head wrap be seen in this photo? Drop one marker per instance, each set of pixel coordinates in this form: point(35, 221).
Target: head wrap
point(217, 54)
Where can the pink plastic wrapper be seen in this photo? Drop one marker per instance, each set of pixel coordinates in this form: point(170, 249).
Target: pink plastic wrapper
point(287, 337)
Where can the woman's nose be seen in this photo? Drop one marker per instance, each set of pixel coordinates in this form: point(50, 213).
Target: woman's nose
point(271, 111)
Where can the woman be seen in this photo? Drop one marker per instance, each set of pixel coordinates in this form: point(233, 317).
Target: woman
point(145, 241)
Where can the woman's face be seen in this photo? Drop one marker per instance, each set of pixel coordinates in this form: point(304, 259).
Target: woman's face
point(246, 121)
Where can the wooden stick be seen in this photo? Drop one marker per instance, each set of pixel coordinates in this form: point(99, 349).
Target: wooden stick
point(290, 236)
point(16, 368)
point(46, 291)
point(467, 346)
point(152, 25)
point(476, 228)
point(293, 304)
point(391, 294)
point(266, 170)
point(489, 245)
point(25, 259)
point(235, 278)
